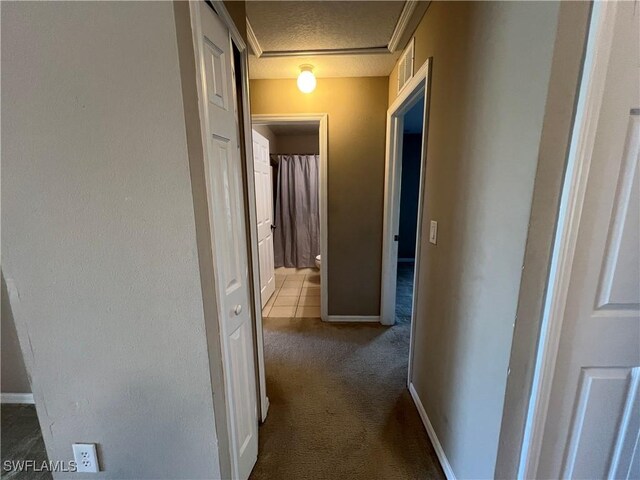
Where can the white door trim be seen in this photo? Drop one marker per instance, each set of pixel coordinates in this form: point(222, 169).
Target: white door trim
point(320, 119)
point(416, 87)
point(591, 92)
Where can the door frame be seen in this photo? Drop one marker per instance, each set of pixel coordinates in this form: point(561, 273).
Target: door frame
point(418, 86)
point(415, 88)
point(591, 91)
point(321, 120)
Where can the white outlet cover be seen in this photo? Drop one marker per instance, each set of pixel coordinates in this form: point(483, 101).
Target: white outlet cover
point(433, 232)
point(86, 457)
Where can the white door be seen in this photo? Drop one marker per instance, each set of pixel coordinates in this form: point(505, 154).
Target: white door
point(593, 418)
point(223, 167)
point(264, 212)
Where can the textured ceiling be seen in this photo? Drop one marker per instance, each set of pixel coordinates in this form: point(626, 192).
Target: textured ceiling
point(286, 26)
point(313, 25)
point(324, 66)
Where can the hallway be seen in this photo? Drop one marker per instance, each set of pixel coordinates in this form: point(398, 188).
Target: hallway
point(339, 407)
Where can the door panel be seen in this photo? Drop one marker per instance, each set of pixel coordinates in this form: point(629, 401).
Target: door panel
point(591, 429)
point(264, 212)
point(226, 209)
point(594, 436)
point(240, 342)
point(621, 272)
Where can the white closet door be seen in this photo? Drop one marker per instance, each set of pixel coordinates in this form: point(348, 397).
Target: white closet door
point(226, 209)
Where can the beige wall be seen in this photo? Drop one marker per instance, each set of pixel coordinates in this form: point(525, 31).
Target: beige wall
point(99, 236)
point(14, 373)
point(357, 116)
point(298, 144)
point(489, 86)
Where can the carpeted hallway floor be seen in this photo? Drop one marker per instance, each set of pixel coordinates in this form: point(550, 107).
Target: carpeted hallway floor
point(21, 440)
point(339, 404)
point(339, 407)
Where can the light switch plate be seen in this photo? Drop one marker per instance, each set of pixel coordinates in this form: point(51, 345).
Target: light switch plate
point(86, 457)
point(433, 232)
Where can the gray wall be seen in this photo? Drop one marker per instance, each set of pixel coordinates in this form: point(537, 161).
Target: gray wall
point(491, 67)
point(14, 374)
point(99, 236)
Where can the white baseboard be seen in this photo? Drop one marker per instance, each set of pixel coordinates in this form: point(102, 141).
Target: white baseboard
point(353, 318)
point(16, 398)
point(263, 418)
point(446, 466)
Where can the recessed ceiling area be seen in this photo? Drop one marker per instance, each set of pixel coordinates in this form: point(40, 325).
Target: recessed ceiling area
point(324, 66)
point(339, 38)
point(313, 25)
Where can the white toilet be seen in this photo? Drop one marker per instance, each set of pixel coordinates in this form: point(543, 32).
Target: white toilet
point(318, 262)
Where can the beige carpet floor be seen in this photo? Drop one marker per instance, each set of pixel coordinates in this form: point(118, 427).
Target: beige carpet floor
point(340, 408)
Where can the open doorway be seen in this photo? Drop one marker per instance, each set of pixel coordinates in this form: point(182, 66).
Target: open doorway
point(405, 172)
point(410, 160)
point(290, 175)
point(287, 172)
point(291, 194)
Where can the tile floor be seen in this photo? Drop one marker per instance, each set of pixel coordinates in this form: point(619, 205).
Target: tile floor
point(297, 294)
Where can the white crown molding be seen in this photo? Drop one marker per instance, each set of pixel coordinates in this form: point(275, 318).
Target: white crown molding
point(253, 40)
point(405, 21)
point(328, 51)
point(402, 24)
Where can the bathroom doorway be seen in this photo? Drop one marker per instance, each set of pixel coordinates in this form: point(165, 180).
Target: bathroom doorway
point(287, 173)
point(302, 288)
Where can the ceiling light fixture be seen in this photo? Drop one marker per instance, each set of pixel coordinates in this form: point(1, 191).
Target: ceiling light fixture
point(306, 79)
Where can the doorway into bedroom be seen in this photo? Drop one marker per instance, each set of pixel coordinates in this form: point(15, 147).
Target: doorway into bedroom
point(287, 168)
point(411, 160)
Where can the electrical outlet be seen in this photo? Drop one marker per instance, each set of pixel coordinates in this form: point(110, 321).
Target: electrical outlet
point(86, 457)
point(433, 232)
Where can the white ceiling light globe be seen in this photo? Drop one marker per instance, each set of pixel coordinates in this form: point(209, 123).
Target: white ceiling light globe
point(306, 80)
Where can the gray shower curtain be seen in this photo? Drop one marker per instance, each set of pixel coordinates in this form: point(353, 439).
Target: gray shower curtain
point(296, 239)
